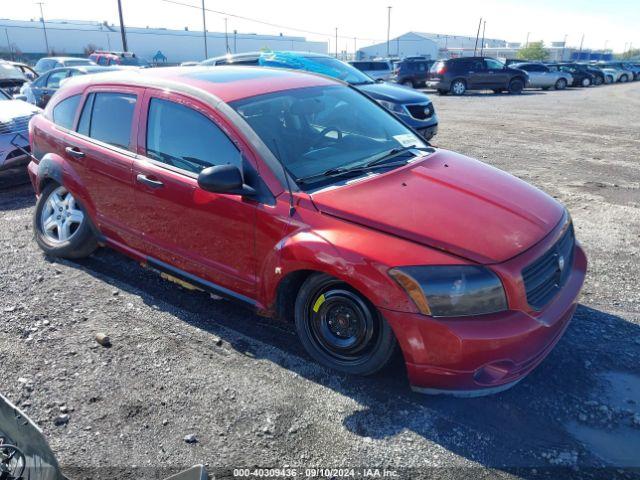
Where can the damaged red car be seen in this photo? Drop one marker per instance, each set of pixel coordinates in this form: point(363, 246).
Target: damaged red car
point(303, 198)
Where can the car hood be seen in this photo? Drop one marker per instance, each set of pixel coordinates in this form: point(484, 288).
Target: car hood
point(393, 93)
point(449, 202)
point(11, 109)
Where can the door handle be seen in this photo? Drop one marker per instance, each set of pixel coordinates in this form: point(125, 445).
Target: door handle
point(141, 178)
point(74, 152)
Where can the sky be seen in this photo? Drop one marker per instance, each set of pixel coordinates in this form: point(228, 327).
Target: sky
point(613, 24)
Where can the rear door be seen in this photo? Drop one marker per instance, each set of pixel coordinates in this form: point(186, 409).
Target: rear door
point(496, 74)
point(102, 152)
point(476, 73)
point(201, 233)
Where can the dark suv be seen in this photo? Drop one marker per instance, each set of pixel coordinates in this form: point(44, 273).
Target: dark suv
point(458, 75)
point(411, 72)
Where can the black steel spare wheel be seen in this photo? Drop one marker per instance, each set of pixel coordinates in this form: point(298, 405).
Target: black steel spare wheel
point(341, 329)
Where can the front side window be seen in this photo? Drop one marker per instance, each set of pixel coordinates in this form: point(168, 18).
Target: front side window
point(312, 130)
point(56, 77)
point(184, 138)
point(107, 116)
point(65, 112)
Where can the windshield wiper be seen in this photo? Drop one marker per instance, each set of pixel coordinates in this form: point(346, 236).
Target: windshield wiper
point(341, 171)
point(394, 152)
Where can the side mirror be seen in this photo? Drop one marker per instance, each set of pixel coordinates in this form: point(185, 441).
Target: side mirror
point(224, 179)
point(379, 80)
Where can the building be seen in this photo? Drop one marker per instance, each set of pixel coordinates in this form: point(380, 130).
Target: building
point(556, 53)
point(430, 45)
point(26, 39)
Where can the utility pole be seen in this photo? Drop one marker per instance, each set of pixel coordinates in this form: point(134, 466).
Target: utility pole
point(484, 25)
point(6, 32)
point(235, 41)
point(44, 26)
point(526, 43)
point(122, 32)
point(564, 45)
point(475, 48)
point(204, 31)
point(581, 42)
point(336, 42)
point(388, 28)
point(355, 49)
point(226, 35)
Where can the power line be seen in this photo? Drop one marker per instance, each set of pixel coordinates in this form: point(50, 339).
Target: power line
point(275, 25)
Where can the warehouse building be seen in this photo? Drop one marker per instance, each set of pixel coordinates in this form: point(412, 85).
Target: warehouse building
point(429, 45)
point(26, 40)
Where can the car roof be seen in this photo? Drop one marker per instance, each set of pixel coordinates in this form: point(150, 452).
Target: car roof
point(252, 55)
point(227, 83)
point(63, 58)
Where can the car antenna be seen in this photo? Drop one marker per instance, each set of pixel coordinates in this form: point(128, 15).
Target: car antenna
point(292, 208)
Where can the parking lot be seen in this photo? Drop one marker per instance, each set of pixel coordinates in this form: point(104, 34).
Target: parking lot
point(184, 364)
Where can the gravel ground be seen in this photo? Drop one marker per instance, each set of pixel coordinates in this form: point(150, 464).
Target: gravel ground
point(184, 364)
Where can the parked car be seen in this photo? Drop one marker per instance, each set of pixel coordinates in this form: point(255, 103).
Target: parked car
point(376, 69)
point(581, 76)
point(14, 135)
point(49, 63)
point(541, 76)
point(27, 70)
point(414, 108)
point(11, 78)
point(624, 73)
point(411, 72)
point(42, 89)
point(118, 58)
point(303, 198)
point(457, 75)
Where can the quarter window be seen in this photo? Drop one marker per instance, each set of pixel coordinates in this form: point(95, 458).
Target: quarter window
point(65, 112)
point(107, 116)
point(184, 138)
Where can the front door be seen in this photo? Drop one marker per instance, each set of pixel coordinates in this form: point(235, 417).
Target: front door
point(496, 74)
point(201, 233)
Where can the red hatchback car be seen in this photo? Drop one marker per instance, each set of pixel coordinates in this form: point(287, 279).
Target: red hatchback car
point(300, 196)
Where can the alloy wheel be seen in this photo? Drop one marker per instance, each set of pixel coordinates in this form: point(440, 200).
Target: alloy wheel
point(61, 216)
point(458, 87)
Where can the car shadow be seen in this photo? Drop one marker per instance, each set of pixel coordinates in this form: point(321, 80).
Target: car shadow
point(524, 430)
point(16, 191)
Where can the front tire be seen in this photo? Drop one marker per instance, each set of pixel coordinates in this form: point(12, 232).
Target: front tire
point(624, 78)
point(340, 328)
point(61, 225)
point(561, 84)
point(586, 82)
point(598, 81)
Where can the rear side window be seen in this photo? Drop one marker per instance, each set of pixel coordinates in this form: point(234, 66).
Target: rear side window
point(186, 139)
point(65, 112)
point(107, 116)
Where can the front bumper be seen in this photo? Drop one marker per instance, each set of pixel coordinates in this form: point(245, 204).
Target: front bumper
point(470, 356)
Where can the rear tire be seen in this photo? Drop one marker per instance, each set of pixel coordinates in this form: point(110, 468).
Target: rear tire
point(516, 86)
point(340, 328)
point(608, 79)
point(561, 84)
point(458, 87)
point(61, 226)
point(586, 82)
point(598, 81)
point(624, 78)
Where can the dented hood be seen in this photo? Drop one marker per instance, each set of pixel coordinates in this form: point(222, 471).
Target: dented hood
point(449, 202)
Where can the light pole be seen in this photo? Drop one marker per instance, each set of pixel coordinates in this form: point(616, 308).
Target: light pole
point(526, 43)
point(204, 31)
point(336, 42)
point(388, 28)
point(475, 48)
point(6, 32)
point(122, 32)
point(44, 26)
point(355, 49)
point(564, 45)
point(484, 25)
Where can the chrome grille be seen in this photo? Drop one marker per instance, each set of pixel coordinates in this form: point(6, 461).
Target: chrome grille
point(18, 124)
point(544, 278)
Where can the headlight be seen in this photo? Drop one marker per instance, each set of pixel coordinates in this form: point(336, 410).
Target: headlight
point(393, 107)
point(452, 291)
